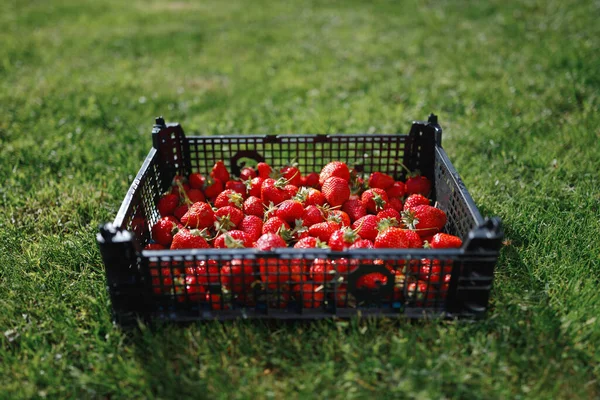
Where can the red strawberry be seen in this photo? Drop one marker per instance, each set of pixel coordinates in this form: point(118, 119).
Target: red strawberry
point(426, 220)
point(181, 211)
point(292, 175)
point(229, 197)
point(252, 225)
point(313, 296)
point(374, 200)
point(355, 209)
point(390, 213)
point(342, 239)
point(335, 190)
point(310, 196)
point(195, 195)
point(312, 215)
point(219, 171)
point(414, 240)
point(264, 170)
point(445, 241)
point(233, 240)
point(380, 180)
point(154, 246)
point(415, 200)
point(273, 225)
point(396, 191)
point(189, 239)
point(420, 293)
point(163, 231)
point(200, 215)
point(418, 184)
point(291, 190)
point(247, 173)
point(212, 187)
point(334, 168)
point(323, 270)
point(392, 238)
point(311, 180)
point(196, 180)
point(273, 191)
point(193, 290)
point(371, 281)
point(206, 272)
point(394, 203)
point(228, 218)
point(167, 204)
point(299, 231)
point(323, 230)
point(253, 186)
point(290, 211)
point(339, 217)
point(253, 206)
point(310, 243)
point(432, 272)
point(366, 227)
point(237, 186)
point(237, 275)
point(362, 244)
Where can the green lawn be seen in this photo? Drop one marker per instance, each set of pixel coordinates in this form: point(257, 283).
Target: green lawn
point(517, 90)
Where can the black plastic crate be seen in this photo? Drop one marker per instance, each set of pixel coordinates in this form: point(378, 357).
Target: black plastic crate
point(151, 285)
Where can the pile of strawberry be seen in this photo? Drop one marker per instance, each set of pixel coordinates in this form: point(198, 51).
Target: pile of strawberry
point(267, 209)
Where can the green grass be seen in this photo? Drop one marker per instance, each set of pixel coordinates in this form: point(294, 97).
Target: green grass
point(517, 90)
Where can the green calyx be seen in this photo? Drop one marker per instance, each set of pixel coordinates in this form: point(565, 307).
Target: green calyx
point(409, 218)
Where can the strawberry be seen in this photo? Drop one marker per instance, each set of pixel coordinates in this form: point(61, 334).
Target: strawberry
point(395, 203)
point(396, 191)
point(253, 206)
point(414, 240)
point(355, 209)
point(299, 231)
point(310, 196)
point(228, 218)
point(212, 187)
point(264, 170)
point(181, 211)
point(247, 173)
point(163, 231)
point(189, 239)
point(362, 244)
point(196, 180)
point(342, 297)
point(389, 213)
point(154, 246)
point(274, 225)
point(426, 220)
point(229, 197)
point(200, 215)
point(415, 200)
point(420, 293)
point(322, 270)
point(323, 230)
point(179, 188)
point(392, 238)
point(371, 281)
point(217, 301)
point(290, 211)
point(311, 180)
point(193, 290)
point(205, 271)
point(310, 243)
point(233, 240)
point(335, 190)
point(237, 275)
point(167, 204)
point(292, 175)
point(194, 196)
point(237, 186)
point(366, 227)
point(312, 215)
point(273, 191)
point(339, 217)
point(374, 200)
point(252, 225)
point(342, 239)
point(380, 180)
point(334, 168)
point(432, 272)
point(418, 184)
point(219, 171)
point(253, 186)
point(445, 241)
point(313, 296)
point(291, 190)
